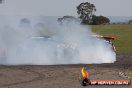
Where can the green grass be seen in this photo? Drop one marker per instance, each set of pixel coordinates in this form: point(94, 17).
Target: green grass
point(123, 33)
point(130, 73)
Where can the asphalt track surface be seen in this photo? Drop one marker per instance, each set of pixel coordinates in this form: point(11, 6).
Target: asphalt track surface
point(64, 76)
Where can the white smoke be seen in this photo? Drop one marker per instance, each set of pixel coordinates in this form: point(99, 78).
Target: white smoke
point(36, 41)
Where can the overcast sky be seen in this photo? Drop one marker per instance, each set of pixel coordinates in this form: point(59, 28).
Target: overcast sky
point(64, 7)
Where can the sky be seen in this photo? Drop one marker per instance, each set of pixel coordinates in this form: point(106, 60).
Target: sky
point(64, 7)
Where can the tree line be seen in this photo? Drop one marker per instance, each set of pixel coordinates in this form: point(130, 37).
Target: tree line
point(86, 12)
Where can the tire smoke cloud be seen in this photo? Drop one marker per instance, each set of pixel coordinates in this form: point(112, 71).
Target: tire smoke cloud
point(40, 41)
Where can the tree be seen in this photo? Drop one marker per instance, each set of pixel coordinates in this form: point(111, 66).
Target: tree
point(130, 21)
point(25, 22)
point(85, 12)
point(68, 19)
point(96, 20)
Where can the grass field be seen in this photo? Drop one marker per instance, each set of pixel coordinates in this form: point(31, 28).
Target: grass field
point(130, 73)
point(123, 33)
